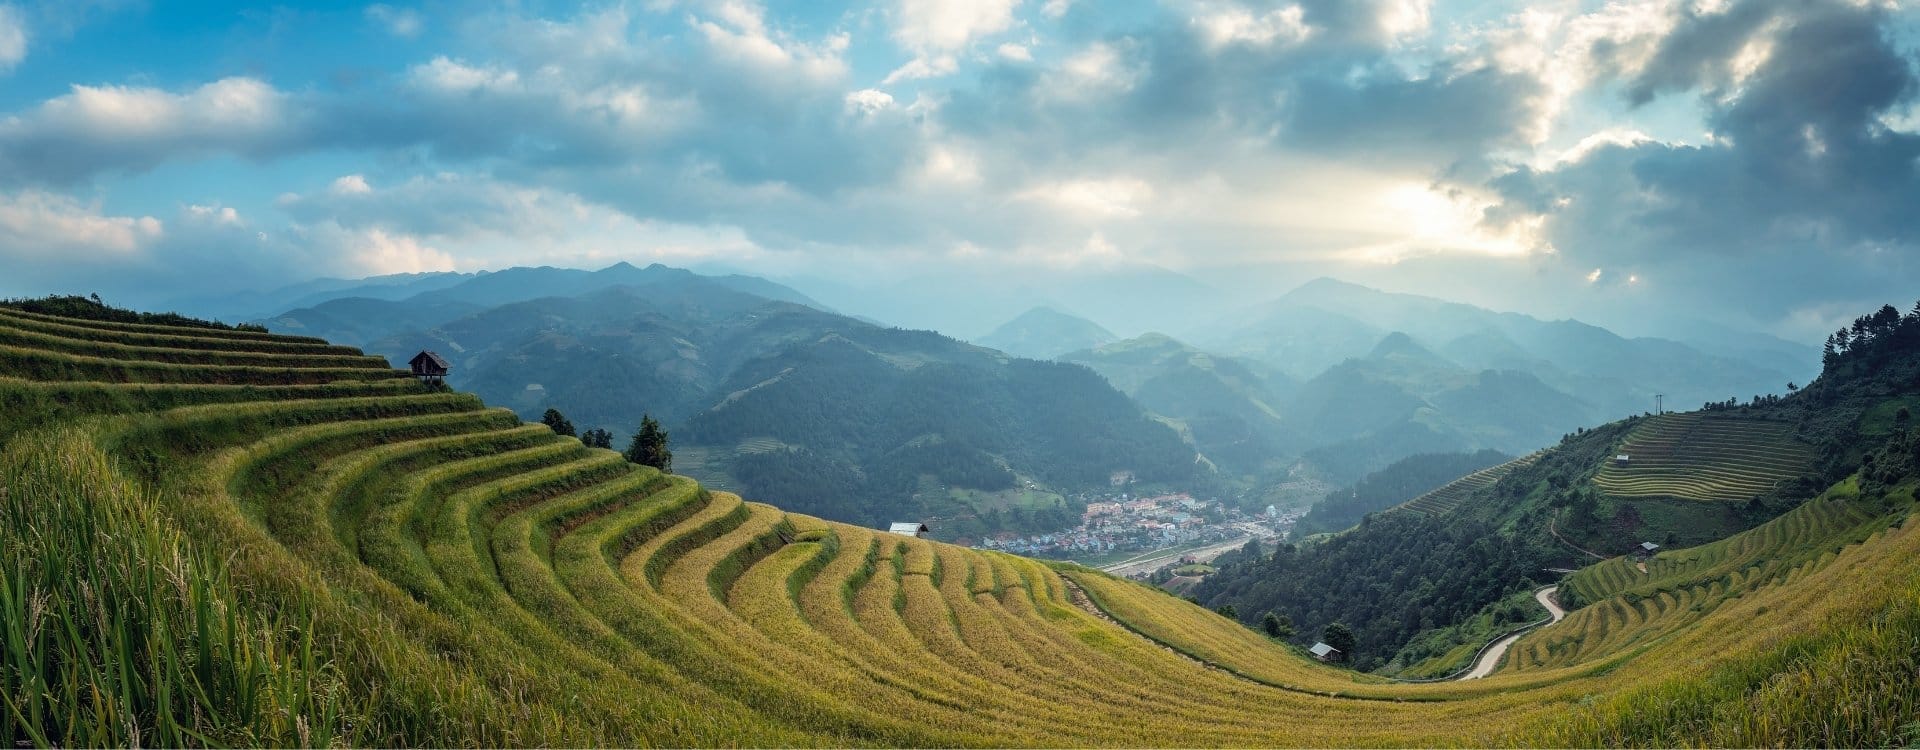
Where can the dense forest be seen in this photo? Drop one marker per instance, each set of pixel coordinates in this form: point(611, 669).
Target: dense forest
point(1398, 574)
point(1401, 481)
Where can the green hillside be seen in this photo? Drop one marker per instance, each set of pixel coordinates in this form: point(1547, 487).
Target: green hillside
point(223, 537)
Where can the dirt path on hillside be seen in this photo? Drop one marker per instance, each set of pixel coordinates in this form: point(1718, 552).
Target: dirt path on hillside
point(1491, 658)
point(1563, 540)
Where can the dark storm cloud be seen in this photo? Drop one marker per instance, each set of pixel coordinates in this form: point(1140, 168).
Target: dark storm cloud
point(1804, 191)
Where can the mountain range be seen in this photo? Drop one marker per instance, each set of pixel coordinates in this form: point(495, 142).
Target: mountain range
point(764, 392)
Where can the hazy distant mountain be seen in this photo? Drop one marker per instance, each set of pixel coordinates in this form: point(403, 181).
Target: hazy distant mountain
point(1128, 300)
point(252, 305)
point(361, 320)
point(1045, 333)
point(1403, 398)
point(1229, 408)
point(1326, 321)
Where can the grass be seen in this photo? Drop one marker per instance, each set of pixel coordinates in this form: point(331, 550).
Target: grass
point(210, 553)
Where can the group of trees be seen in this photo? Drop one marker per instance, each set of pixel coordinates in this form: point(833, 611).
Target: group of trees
point(649, 446)
point(1759, 400)
point(1884, 327)
point(91, 307)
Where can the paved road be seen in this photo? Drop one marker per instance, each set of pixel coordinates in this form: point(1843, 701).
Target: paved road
point(1132, 566)
point(1491, 658)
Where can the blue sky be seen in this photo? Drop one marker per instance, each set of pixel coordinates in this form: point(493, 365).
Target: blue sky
point(1744, 160)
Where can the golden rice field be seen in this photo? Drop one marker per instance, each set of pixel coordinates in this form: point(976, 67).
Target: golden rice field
point(1703, 456)
point(216, 537)
point(1632, 606)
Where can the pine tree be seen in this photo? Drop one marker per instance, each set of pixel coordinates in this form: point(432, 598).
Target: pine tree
point(649, 447)
point(557, 422)
point(597, 438)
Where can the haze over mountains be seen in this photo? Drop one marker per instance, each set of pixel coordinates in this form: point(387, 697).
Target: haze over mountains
point(1346, 378)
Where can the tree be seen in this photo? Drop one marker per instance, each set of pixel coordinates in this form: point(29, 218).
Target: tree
point(1338, 636)
point(1228, 611)
point(1902, 417)
point(649, 447)
point(1277, 626)
point(557, 422)
point(597, 438)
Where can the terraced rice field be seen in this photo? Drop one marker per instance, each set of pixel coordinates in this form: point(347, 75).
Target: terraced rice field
point(1452, 494)
point(467, 579)
point(1679, 587)
point(1701, 456)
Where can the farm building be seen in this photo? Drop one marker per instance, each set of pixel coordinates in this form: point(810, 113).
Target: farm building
point(429, 366)
point(1622, 460)
point(1324, 652)
point(909, 528)
point(1646, 549)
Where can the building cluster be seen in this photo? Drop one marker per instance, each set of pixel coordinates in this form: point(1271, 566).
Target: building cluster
point(1121, 522)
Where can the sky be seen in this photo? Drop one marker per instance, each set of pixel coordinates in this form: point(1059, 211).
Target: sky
point(1753, 162)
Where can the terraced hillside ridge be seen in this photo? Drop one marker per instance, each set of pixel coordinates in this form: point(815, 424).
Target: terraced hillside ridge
point(1448, 496)
point(214, 548)
point(1636, 602)
point(1703, 456)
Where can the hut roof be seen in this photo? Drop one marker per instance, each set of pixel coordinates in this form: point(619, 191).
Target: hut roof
point(911, 528)
point(1322, 649)
point(435, 359)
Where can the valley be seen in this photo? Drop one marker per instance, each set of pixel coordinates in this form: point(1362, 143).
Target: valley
point(431, 551)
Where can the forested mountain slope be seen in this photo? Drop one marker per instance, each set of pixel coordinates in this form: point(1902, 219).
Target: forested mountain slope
point(227, 537)
point(817, 411)
point(1400, 574)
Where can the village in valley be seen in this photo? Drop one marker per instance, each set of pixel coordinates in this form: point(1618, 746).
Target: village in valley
point(1177, 524)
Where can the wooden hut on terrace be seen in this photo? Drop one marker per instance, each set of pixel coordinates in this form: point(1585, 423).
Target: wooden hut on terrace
point(1324, 652)
point(429, 367)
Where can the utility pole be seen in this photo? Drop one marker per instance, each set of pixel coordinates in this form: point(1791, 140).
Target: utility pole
point(1659, 403)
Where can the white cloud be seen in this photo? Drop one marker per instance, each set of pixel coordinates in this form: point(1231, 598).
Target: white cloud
point(949, 25)
point(36, 223)
point(94, 128)
point(739, 32)
point(1404, 18)
point(213, 215)
point(13, 38)
point(352, 184)
point(1570, 53)
point(450, 76)
point(948, 164)
point(1100, 69)
point(1625, 137)
point(1015, 52)
point(922, 67)
point(406, 23)
point(1055, 8)
point(1223, 26)
point(935, 31)
point(1116, 197)
point(868, 101)
point(374, 252)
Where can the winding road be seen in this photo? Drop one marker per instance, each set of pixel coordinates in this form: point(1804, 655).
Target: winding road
point(1491, 658)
